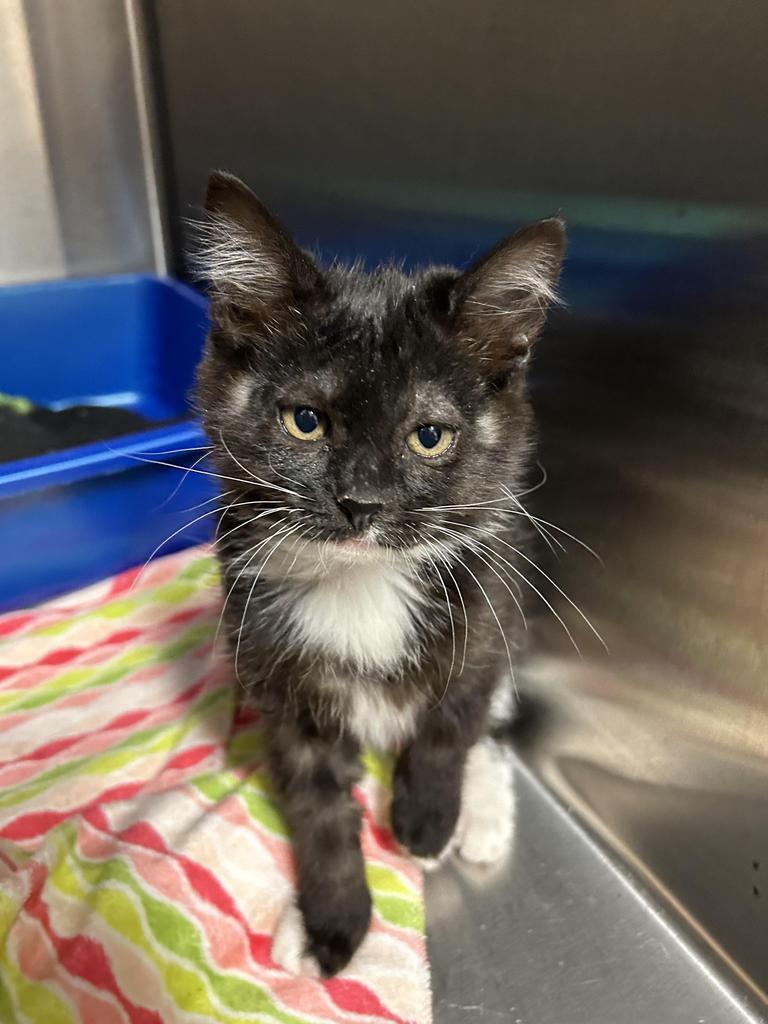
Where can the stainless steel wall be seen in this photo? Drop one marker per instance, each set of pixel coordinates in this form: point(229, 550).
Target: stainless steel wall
point(622, 100)
point(425, 130)
point(78, 161)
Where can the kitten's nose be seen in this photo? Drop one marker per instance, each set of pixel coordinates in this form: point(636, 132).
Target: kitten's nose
point(360, 513)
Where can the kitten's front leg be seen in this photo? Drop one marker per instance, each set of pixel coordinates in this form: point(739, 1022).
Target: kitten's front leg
point(451, 795)
point(314, 774)
point(427, 790)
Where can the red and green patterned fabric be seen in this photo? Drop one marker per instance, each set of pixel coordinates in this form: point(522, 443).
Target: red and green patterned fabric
point(143, 862)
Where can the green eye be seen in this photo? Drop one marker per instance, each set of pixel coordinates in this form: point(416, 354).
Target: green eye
point(304, 423)
point(430, 440)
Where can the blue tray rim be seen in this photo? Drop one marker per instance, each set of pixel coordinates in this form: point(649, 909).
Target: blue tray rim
point(130, 451)
point(109, 280)
point(99, 458)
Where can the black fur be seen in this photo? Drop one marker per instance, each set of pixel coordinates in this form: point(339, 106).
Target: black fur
point(379, 355)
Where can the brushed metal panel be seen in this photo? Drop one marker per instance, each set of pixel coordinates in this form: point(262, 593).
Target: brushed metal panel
point(30, 240)
point(623, 99)
point(81, 185)
point(656, 442)
point(560, 936)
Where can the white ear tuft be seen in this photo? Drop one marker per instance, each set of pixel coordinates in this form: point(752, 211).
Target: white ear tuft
point(232, 260)
point(535, 279)
point(245, 254)
point(503, 298)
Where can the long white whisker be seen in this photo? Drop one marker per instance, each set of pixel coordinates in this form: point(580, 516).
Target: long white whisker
point(252, 553)
point(473, 546)
point(272, 550)
point(452, 508)
point(544, 534)
point(281, 475)
point(447, 567)
point(186, 526)
point(184, 469)
point(549, 579)
point(493, 613)
point(544, 478)
point(179, 485)
point(518, 605)
point(570, 536)
point(534, 588)
point(258, 479)
point(249, 522)
point(214, 497)
point(453, 631)
point(197, 519)
point(303, 533)
point(486, 507)
point(179, 451)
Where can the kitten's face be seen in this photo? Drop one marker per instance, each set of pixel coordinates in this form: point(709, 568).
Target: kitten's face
point(371, 400)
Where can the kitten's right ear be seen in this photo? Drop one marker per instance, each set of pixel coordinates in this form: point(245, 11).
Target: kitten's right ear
point(500, 303)
point(248, 258)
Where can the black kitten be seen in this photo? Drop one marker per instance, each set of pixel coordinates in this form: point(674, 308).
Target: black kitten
point(371, 432)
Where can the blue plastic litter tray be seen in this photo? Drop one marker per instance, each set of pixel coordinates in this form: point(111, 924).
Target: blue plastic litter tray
point(75, 516)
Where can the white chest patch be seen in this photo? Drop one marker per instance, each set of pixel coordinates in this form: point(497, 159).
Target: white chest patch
point(376, 722)
point(361, 612)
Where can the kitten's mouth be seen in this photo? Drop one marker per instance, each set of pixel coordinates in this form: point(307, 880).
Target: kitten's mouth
point(357, 544)
point(360, 547)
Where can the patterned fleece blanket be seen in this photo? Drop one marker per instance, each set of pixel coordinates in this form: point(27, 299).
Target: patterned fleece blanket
point(143, 862)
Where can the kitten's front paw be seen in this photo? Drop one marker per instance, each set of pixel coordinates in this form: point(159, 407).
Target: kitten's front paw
point(483, 838)
point(486, 823)
point(423, 826)
point(336, 922)
point(320, 939)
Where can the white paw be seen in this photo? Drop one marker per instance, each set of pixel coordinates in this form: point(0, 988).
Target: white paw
point(483, 840)
point(289, 945)
point(484, 832)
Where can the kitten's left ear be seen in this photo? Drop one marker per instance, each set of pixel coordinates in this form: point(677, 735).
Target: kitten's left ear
point(248, 258)
point(501, 302)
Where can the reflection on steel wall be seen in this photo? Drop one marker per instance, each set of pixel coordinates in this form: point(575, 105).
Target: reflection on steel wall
point(655, 434)
point(626, 100)
point(78, 163)
point(426, 130)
